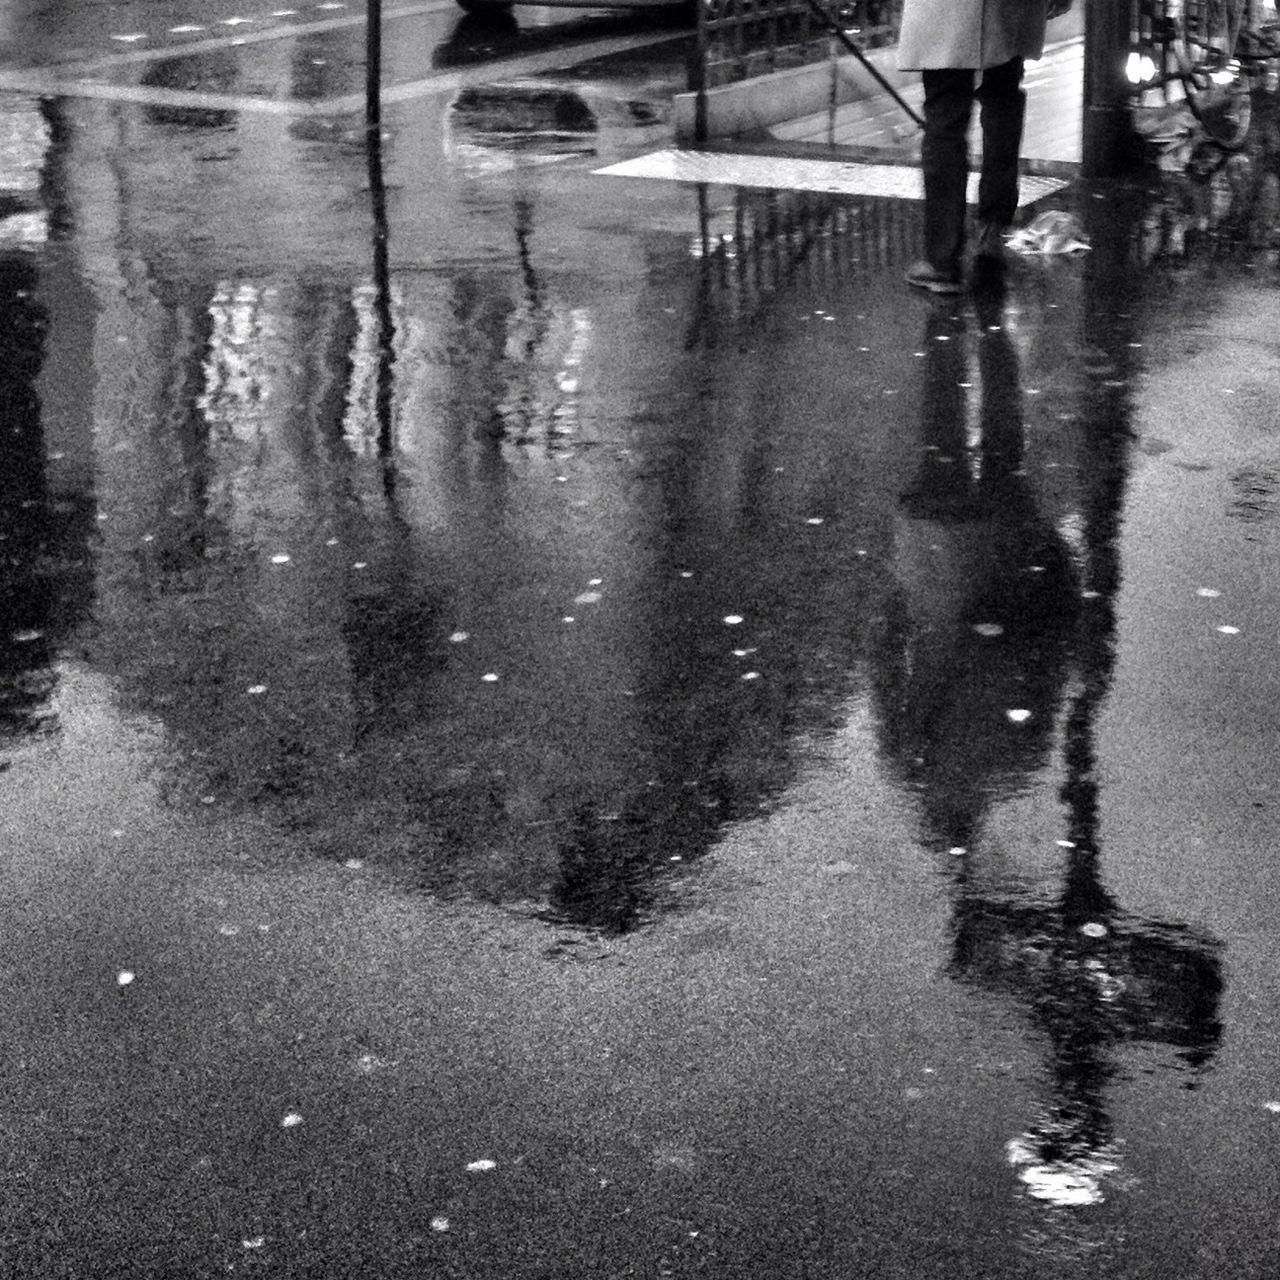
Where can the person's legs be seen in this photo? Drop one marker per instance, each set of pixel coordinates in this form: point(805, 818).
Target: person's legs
point(944, 156)
point(1002, 104)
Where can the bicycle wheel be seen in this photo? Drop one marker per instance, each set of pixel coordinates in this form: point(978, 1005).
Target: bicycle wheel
point(1214, 81)
point(1216, 87)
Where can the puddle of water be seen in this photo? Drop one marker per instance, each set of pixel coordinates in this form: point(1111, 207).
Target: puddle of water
point(675, 580)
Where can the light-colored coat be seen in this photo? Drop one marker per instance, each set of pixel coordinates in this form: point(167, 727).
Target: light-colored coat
point(969, 33)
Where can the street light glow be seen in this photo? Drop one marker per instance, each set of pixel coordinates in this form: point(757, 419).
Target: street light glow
point(1140, 67)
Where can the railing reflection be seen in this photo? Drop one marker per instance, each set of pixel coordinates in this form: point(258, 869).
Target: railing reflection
point(765, 241)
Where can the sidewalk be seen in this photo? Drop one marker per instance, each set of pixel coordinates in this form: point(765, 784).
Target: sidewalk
point(870, 146)
point(1053, 129)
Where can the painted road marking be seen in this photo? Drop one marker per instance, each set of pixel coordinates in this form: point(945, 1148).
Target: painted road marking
point(769, 173)
point(49, 82)
point(214, 43)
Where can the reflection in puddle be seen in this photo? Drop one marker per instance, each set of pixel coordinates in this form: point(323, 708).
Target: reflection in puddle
point(1000, 656)
point(494, 581)
point(586, 745)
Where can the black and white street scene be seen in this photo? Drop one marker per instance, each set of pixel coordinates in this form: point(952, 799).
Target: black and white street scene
point(567, 713)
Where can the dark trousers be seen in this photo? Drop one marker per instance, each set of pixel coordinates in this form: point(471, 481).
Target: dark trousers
point(948, 105)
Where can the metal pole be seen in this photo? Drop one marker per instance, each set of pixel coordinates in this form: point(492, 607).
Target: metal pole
point(698, 76)
point(832, 25)
point(1109, 143)
point(373, 65)
point(381, 254)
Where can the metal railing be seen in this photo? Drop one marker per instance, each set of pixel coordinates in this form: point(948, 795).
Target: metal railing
point(739, 39)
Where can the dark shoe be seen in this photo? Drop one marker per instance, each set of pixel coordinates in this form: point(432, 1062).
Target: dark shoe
point(924, 275)
point(989, 249)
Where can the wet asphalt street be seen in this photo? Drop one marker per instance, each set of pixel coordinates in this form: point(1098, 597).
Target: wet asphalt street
point(558, 726)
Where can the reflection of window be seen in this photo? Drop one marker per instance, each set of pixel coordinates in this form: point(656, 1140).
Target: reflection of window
point(360, 425)
point(238, 372)
point(24, 143)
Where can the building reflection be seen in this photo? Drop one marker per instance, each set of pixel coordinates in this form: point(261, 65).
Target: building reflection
point(45, 480)
point(614, 748)
point(1000, 657)
point(301, 614)
point(26, 646)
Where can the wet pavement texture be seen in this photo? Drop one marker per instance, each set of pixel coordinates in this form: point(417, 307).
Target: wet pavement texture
point(565, 726)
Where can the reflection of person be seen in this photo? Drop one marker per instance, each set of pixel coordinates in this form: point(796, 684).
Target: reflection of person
point(987, 597)
point(989, 622)
point(967, 51)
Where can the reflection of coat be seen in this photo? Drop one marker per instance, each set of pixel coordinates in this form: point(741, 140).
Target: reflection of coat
point(969, 33)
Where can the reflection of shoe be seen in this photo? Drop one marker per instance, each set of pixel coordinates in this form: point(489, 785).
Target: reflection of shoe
point(989, 280)
point(989, 251)
point(924, 275)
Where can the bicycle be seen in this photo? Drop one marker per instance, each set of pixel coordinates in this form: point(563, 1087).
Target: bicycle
point(1215, 51)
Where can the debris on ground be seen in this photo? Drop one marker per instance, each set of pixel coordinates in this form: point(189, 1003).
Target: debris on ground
point(1053, 232)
